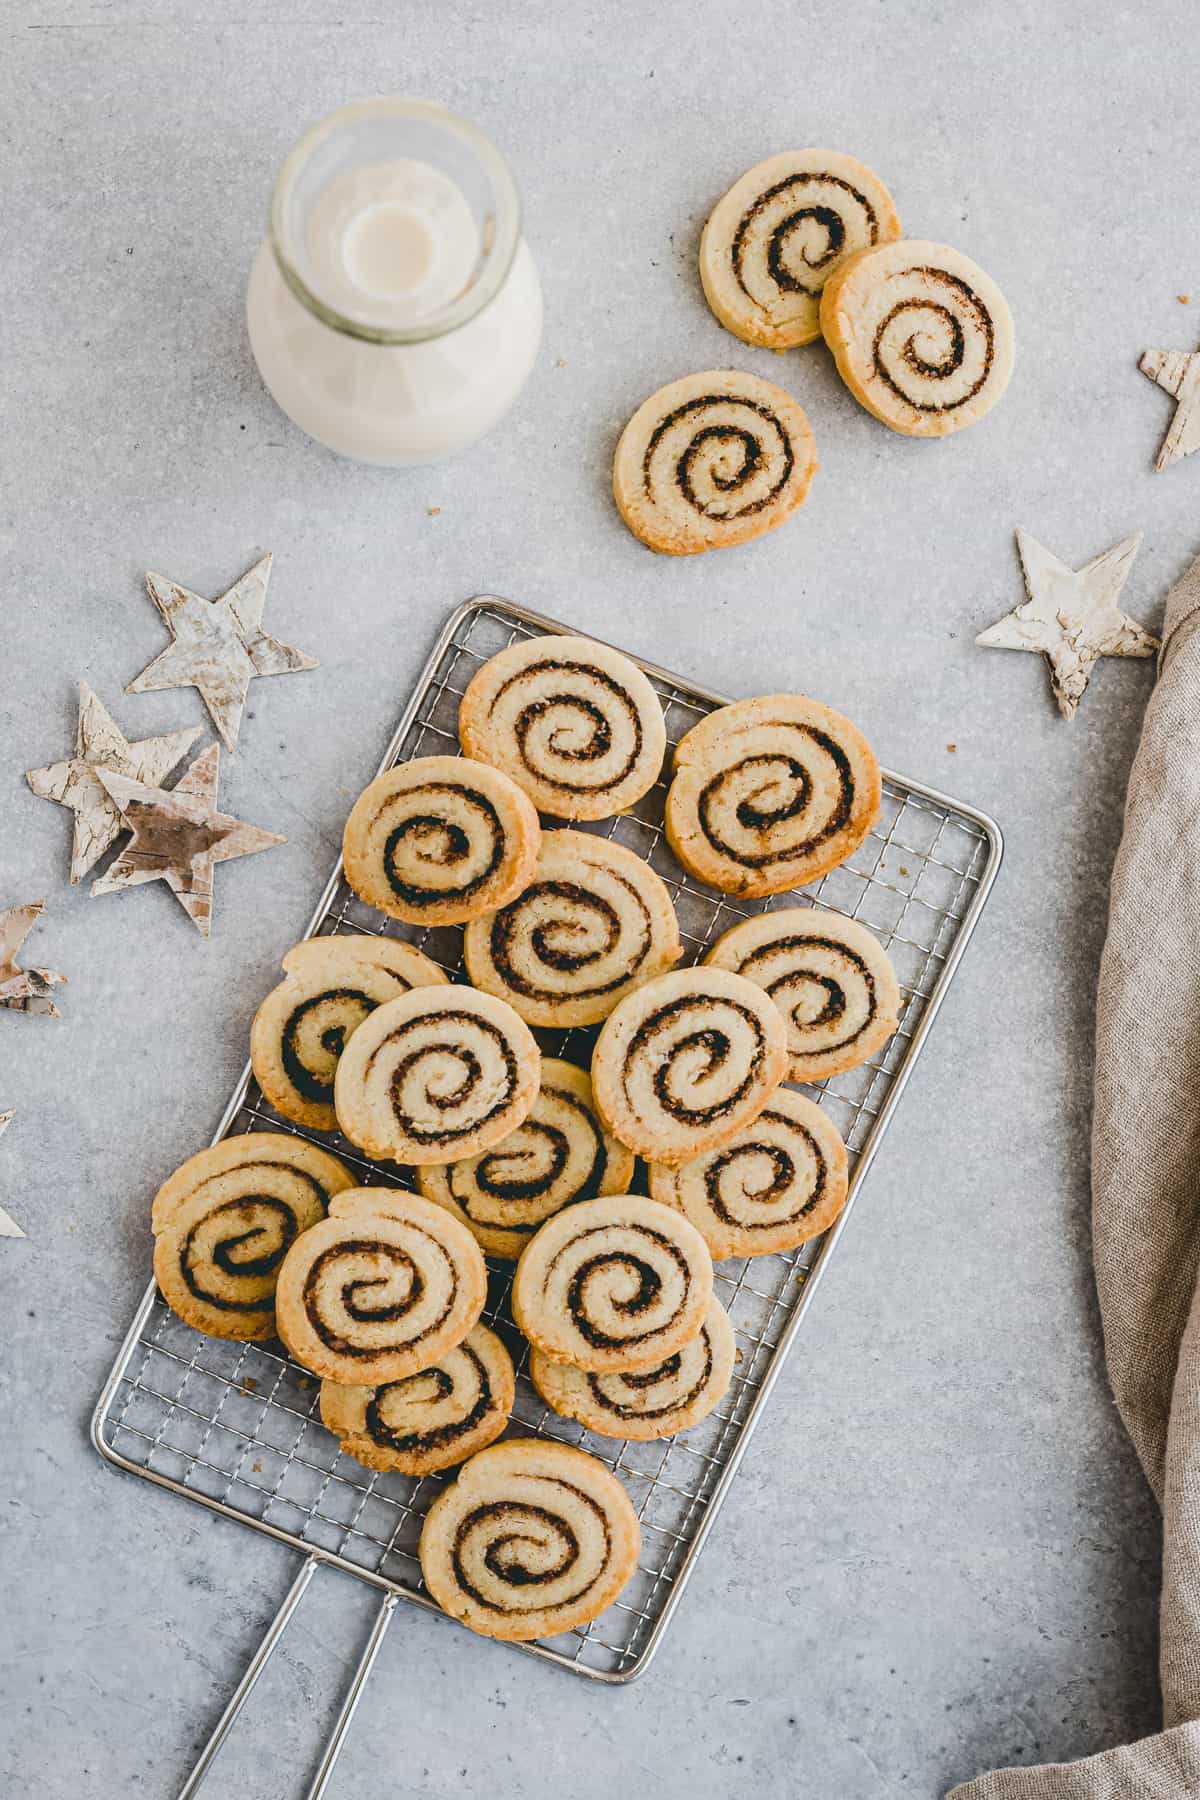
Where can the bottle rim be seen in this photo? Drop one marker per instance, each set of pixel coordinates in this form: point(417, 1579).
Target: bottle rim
point(500, 239)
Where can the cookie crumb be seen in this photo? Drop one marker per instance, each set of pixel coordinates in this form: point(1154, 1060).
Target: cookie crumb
point(258, 1467)
point(561, 363)
point(250, 1385)
point(1184, 299)
point(952, 748)
point(903, 870)
point(433, 511)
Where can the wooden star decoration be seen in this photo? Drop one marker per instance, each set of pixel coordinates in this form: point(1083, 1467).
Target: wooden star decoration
point(1177, 372)
point(219, 646)
point(75, 783)
point(8, 1225)
point(25, 990)
point(179, 836)
point(1071, 616)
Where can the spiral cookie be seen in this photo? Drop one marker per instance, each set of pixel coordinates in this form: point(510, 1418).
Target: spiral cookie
point(383, 1288)
point(921, 336)
point(224, 1220)
point(686, 1061)
point(301, 1028)
point(613, 1284)
point(436, 1075)
point(428, 1421)
point(776, 237)
point(560, 1154)
point(532, 1538)
point(575, 724)
point(712, 460)
point(439, 840)
point(650, 1403)
point(779, 1182)
point(594, 923)
point(771, 793)
point(830, 978)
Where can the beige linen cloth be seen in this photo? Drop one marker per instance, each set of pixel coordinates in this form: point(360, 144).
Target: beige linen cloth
point(1146, 1206)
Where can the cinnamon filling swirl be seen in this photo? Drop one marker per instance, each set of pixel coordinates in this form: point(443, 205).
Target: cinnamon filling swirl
point(363, 1281)
point(428, 1390)
point(759, 810)
point(244, 1240)
point(922, 341)
point(525, 1546)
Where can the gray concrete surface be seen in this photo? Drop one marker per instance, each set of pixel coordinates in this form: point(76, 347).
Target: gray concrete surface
point(940, 1553)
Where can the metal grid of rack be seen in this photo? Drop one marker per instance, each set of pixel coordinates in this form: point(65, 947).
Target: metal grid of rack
point(237, 1426)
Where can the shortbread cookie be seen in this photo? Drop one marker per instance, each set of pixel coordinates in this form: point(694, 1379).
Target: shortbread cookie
point(559, 1155)
point(440, 840)
point(771, 793)
point(779, 1182)
point(594, 923)
point(686, 1061)
point(224, 1221)
point(614, 1284)
point(575, 724)
point(383, 1288)
point(921, 336)
point(301, 1028)
point(712, 460)
point(436, 1075)
point(532, 1539)
point(830, 978)
point(776, 237)
point(646, 1403)
point(428, 1421)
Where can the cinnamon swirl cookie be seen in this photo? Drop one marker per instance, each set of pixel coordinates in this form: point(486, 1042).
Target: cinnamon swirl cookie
point(438, 840)
point(771, 793)
point(779, 1182)
point(686, 1061)
point(383, 1288)
point(613, 1284)
point(594, 923)
point(830, 978)
point(921, 336)
point(559, 1155)
point(712, 460)
point(436, 1075)
point(224, 1221)
point(646, 1403)
point(428, 1421)
point(575, 724)
point(774, 240)
point(301, 1028)
point(532, 1539)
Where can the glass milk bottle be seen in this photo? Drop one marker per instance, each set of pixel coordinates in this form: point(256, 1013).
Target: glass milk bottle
point(394, 309)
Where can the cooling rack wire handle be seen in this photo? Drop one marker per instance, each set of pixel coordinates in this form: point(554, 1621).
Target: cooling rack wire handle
point(258, 1663)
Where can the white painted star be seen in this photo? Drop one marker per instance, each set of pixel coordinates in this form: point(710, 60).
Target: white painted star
point(179, 836)
point(219, 646)
point(75, 783)
point(1071, 616)
point(8, 1225)
point(25, 990)
point(1177, 372)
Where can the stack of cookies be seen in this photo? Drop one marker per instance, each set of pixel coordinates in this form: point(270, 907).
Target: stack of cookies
point(526, 1157)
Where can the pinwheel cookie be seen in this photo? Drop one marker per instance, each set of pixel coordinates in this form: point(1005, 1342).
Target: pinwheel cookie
point(686, 1061)
point(575, 724)
point(776, 237)
point(560, 1154)
point(302, 1026)
point(614, 1284)
point(778, 1183)
point(594, 923)
point(645, 1403)
point(431, 1420)
point(382, 1289)
point(436, 1075)
point(712, 460)
point(533, 1538)
point(771, 793)
point(224, 1221)
point(921, 336)
point(440, 839)
point(830, 978)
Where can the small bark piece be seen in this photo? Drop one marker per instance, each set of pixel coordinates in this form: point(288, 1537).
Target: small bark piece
point(25, 990)
point(1177, 372)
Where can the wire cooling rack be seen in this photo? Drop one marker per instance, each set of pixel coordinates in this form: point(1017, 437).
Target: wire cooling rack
point(237, 1426)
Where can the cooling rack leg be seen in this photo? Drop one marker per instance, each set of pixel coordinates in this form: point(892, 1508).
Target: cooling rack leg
point(245, 1686)
point(350, 1704)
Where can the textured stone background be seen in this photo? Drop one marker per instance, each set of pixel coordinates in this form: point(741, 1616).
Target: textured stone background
point(940, 1553)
